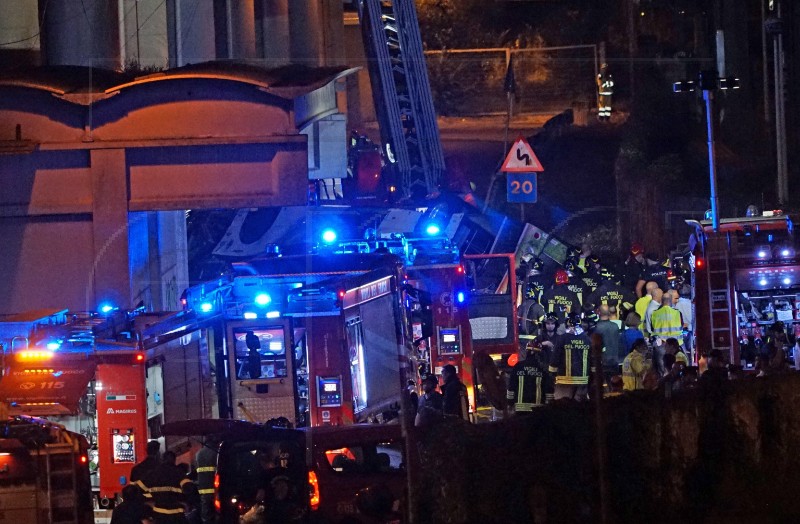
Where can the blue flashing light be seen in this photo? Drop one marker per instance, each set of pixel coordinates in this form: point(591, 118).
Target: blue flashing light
point(262, 299)
point(273, 314)
point(53, 346)
point(460, 297)
point(206, 307)
point(106, 308)
point(433, 229)
point(787, 281)
point(329, 236)
point(763, 282)
point(762, 254)
point(249, 315)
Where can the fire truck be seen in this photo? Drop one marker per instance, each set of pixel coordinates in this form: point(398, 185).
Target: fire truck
point(44, 473)
point(102, 375)
point(746, 277)
point(340, 331)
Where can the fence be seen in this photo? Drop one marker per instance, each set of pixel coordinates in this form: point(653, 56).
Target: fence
point(548, 79)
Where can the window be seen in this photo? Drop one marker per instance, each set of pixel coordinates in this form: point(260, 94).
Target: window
point(381, 457)
point(267, 361)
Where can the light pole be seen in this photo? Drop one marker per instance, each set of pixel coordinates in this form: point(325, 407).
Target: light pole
point(709, 82)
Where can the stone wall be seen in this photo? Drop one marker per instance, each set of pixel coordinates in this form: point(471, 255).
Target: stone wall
point(724, 452)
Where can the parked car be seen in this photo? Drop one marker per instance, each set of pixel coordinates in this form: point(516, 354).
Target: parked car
point(333, 474)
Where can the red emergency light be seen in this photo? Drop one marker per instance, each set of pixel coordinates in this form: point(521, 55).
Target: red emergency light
point(460, 269)
point(139, 357)
point(698, 263)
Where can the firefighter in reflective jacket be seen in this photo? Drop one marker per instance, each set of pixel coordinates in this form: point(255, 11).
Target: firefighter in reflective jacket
point(605, 90)
point(535, 282)
point(610, 293)
point(167, 486)
point(559, 300)
point(571, 362)
point(206, 470)
point(530, 384)
point(576, 283)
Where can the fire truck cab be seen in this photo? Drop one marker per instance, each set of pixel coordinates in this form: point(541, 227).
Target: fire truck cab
point(746, 278)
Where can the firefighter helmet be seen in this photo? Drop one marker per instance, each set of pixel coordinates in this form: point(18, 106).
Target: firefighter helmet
point(594, 259)
point(533, 345)
point(570, 265)
point(636, 249)
point(606, 274)
point(562, 277)
point(573, 252)
point(536, 264)
point(573, 320)
point(552, 319)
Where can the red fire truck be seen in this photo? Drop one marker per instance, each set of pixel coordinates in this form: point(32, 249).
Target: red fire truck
point(353, 313)
point(44, 473)
point(746, 277)
point(102, 375)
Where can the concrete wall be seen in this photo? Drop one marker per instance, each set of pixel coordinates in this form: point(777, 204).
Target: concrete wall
point(722, 453)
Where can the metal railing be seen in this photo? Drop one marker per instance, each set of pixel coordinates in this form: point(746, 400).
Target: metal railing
point(548, 79)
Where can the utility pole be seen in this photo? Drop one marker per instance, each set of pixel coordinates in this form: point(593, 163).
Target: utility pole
point(775, 27)
point(709, 82)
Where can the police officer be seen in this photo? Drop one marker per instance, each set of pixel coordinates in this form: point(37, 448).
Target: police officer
point(610, 293)
point(576, 283)
point(206, 468)
point(167, 485)
point(530, 384)
point(560, 300)
point(571, 362)
point(605, 90)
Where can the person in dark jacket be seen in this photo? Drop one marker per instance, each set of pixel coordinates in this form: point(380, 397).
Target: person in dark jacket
point(168, 487)
point(133, 509)
point(612, 341)
point(559, 300)
point(430, 404)
point(454, 393)
point(530, 384)
point(150, 463)
point(206, 469)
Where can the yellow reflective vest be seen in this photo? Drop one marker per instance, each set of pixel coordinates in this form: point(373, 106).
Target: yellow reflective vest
point(666, 323)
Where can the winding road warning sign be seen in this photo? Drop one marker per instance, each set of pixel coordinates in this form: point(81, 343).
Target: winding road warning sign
point(521, 159)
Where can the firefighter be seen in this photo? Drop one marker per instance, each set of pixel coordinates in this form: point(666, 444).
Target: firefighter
point(206, 469)
point(576, 283)
point(605, 90)
point(610, 293)
point(530, 384)
point(151, 462)
point(530, 310)
point(167, 486)
point(549, 335)
point(571, 362)
point(634, 266)
point(535, 282)
point(559, 300)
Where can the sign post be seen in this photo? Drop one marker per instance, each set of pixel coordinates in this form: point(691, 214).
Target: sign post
point(521, 166)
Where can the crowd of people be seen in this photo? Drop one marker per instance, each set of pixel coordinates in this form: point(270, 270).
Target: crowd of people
point(642, 312)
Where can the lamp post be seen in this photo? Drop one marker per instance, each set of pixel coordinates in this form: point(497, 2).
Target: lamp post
point(709, 82)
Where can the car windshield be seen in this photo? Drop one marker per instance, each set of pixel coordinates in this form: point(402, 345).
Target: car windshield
point(261, 471)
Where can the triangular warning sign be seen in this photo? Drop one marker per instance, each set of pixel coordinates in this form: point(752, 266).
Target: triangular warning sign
point(521, 159)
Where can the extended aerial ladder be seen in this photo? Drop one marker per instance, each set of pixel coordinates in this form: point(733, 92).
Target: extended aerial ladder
point(402, 95)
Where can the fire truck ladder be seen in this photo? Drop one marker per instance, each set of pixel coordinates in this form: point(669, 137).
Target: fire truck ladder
point(402, 94)
point(719, 303)
point(60, 462)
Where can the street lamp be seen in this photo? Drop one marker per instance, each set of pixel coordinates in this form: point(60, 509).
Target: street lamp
point(709, 82)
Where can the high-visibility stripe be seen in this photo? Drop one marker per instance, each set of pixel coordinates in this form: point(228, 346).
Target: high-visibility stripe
point(572, 381)
point(585, 363)
point(185, 481)
point(567, 362)
point(168, 511)
point(520, 382)
point(538, 390)
point(166, 489)
point(208, 491)
point(207, 469)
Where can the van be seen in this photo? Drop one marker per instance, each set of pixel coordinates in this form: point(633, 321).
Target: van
point(330, 474)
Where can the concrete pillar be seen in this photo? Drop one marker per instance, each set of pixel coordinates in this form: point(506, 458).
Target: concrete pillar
point(241, 29)
point(305, 32)
point(275, 32)
point(81, 33)
point(191, 31)
point(110, 264)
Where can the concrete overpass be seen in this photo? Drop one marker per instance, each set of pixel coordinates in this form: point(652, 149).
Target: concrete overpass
point(97, 169)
